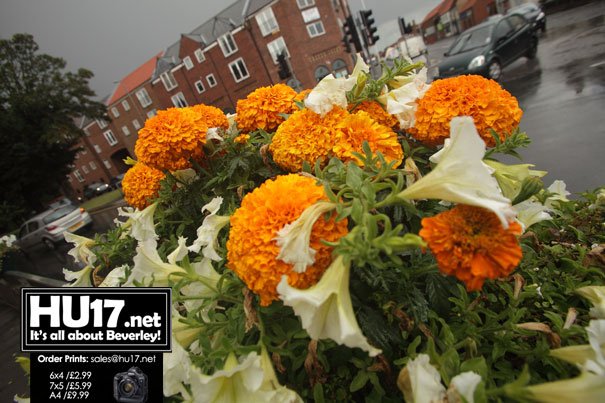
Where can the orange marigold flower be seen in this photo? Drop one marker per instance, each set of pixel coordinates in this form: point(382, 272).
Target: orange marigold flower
point(242, 139)
point(377, 113)
point(141, 184)
point(305, 136)
point(212, 116)
point(252, 249)
point(262, 108)
point(470, 243)
point(360, 127)
point(491, 107)
point(169, 139)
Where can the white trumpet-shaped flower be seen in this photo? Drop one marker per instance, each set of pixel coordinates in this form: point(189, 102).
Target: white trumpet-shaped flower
point(596, 295)
point(402, 101)
point(207, 233)
point(141, 224)
point(280, 394)
point(81, 251)
point(461, 176)
point(150, 268)
point(420, 382)
point(530, 212)
point(115, 277)
point(82, 277)
point(587, 387)
point(464, 385)
point(559, 188)
point(325, 308)
point(204, 287)
point(294, 238)
point(176, 368)
point(8, 240)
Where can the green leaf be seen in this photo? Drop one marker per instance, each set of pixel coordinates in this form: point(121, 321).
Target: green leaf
point(359, 381)
point(318, 393)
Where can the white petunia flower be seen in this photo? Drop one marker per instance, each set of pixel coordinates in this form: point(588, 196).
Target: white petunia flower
point(176, 367)
point(461, 177)
point(141, 224)
point(294, 238)
point(596, 295)
point(81, 251)
point(82, 277)
point(420, 382)
point(204, 287)
point(464, 385)
point(325, 308)
point(281, 394)
point(530, 212)
point(402, 101)
point(511, 177)
point(559, 188)
point(115, 277)
point(587, 387)
point(8, 240)
point(150, 268)
point(235, 383)
point(207, 233)
point(212, 134)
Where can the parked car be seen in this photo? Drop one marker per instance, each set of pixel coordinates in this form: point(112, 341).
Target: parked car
point(47, 229)
point(116, 181)
point(96, 189)
point(489, 47)
point(533, 13)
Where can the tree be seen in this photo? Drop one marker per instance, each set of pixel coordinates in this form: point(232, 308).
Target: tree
point(39, 103)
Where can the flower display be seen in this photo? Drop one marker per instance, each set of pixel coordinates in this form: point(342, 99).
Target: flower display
point(263, 107)
point(305, 136)
point(141, 184)
point(169, 139)
point(490, 106)
point(377, 112)
point(252, 249)
point(242, 138)
point(212, 116)
point(470, 243)
point(360, 127)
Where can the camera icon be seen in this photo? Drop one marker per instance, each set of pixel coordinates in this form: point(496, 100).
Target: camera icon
point(130, 386)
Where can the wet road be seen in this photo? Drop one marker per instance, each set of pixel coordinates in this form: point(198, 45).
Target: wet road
point(562, 94)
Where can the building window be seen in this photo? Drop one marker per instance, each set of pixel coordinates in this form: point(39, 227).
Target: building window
point(168, 80)
point(188, 63)
point(97, 148)
point(84, 169)
point(107, 164)
point(340, 68)
point(143, 97)
point(211, 80)
point(93, 166)
point(266, 21)
point(310, 14)
point(86, 132)
point(102, 124)
point(305, 3)
point(125, 130)
point(83, 152)
point(276, 47)
point(227, 44)
point(316, 29)
point(321, 72)
point(199, 85)
point(179, 100)
point(136, 124)
point(199, 55)
point(78, 176)
point(125, 105)
point(115, 112)
point(111, 139)
point(151, 113)
point(239, 70)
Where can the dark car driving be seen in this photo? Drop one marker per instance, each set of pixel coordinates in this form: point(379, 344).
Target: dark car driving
point(533, 13)
point(489, 47)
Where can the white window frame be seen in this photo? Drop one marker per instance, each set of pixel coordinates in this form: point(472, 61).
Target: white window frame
point(93, 166)
point(313, 26)
point(225, 44)
point(267, 23)
point(102, 124)
point(168, 80)
point(305, 3)
point(115, 112)
point(107, 164)
point(85, 169)
point(276, 47)
point(143, 97)
point(136, 124)
point(187, 62)
point(199, 84)
point(110, 137)
point(310, 14)
point(179, 100)
point(126, 130)
point(199, 55)
point(97, 148)
point(213, 83)
point(152, 113)
point(78, 176)
point(125, 105)
point(236, 63)
point(86, 132)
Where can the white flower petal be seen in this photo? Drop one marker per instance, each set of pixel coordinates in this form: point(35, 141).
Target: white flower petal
point(212, 134)
point(328, 93)
point(180, 252)
point(530, 212)
point(271, 384)
point(205, 287)
point(176, 367)
point(82, 277)
point(208, 232)
point(325, 309)
point(81, 251)
point(402, 101)
point(461, 176)
point(150, 268)
point(8, 240)
point(596, 295)
point(420, 382)
point(465, 385)
point(115, 277)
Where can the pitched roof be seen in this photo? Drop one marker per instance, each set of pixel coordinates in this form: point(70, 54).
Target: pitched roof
point(442, 8)
point(466, 6)
point(141, 74)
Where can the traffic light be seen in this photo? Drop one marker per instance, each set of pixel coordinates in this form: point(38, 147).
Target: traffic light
point(284, 69)
point(369, 27)
point(351, 36)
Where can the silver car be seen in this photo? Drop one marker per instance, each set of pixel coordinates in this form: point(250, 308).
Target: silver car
point(47, 228)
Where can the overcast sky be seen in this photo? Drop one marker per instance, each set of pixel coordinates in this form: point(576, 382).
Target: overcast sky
point(113, 37)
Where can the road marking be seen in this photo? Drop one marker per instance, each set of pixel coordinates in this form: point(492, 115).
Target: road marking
point(597, 64)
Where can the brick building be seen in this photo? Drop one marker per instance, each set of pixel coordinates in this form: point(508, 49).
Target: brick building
point(217, 63)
